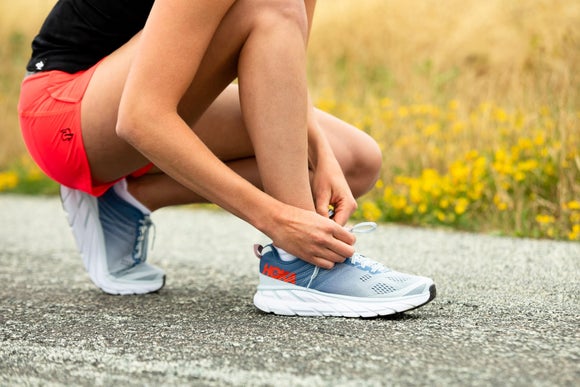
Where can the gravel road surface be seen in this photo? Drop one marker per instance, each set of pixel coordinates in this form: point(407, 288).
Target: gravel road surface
point(506, 313)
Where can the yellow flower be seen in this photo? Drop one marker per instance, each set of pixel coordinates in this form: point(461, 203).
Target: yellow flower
point(545, 219)
point(499, 203)
point(545, 111)
point(386, 102)
point(540, 139)
point(528, 165)
point(457, 127)
point(476, 191)
point(471, 155)
point(501, 206)
point(453, 104)
point(519, 122)
point(573, 205)
point(326, 104)
point(388, 194)
point(8, 180)
point(500, 115)
point(461, 206)
point(403, 111)
point(431, 129)
point(371, 211)
point(415, 194)
point(575, 233)
point(399, 202)
point(519, 176)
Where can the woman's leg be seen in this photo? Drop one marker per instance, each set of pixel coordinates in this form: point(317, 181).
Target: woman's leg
point(357, 153)
point(239, 35)
point(274, 114)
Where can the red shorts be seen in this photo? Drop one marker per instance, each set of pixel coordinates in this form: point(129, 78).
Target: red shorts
point(50, 119)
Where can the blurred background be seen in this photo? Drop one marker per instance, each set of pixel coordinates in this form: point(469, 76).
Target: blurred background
point(474, 103)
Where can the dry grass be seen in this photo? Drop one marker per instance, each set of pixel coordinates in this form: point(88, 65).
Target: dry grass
point(475, 103)
point(19, 22)
point(520, 51)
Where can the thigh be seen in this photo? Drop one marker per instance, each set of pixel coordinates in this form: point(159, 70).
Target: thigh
point(220, 127)
point(223, 130)
point(109, 156)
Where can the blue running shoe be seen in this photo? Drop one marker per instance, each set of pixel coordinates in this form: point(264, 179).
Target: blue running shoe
point(112, 236)
point(359, 287)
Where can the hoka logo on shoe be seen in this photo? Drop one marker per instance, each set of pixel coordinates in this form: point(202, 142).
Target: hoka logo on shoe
point(280, 274)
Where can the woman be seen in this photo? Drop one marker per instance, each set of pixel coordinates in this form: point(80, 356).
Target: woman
point(129, 104)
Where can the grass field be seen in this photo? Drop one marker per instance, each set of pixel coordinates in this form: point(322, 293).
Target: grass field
point(475, 104)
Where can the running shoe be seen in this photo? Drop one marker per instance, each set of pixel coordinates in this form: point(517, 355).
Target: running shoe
point(359, 287)
point(113, 237)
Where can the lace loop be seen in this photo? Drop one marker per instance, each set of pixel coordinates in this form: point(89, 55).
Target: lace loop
point(359, 259)
point(363, 227)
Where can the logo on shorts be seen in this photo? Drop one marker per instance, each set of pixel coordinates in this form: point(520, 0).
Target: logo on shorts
point(66, 135)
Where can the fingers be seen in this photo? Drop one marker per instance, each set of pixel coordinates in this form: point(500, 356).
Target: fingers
point(322, 209)
point(322, 204)
point(328, 260)
point(322, 263)
point(343, 243)
point(341, 217)
point(313, 238)
point(343, 211)
point(334, 246)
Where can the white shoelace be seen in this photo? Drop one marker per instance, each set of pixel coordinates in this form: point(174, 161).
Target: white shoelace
point(359, 259)
point(364, 262)
point(140, 250)
point(363, 227)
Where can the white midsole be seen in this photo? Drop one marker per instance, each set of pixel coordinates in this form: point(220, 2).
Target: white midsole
point(284, 298)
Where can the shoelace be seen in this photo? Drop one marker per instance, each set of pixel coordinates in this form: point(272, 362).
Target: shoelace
point(363, 227)
point(359, 259)
point(364, 262)
point(141, 245)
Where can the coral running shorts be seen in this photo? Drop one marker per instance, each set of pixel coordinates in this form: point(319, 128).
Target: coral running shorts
point(50, 119)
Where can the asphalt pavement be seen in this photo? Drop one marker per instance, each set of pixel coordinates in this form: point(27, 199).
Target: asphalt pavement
point(506, 312)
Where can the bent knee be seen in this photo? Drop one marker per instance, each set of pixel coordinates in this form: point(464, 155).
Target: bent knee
point(365, 165)
point(274, 14)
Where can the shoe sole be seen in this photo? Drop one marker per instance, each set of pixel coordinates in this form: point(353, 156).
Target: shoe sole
point(82, 214)
point(285, 299)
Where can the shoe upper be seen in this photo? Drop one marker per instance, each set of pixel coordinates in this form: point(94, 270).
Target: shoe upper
point(358, 276)
point(126, 232)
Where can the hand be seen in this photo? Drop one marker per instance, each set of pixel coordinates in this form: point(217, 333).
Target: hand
point(329, 187)
point(311, 237)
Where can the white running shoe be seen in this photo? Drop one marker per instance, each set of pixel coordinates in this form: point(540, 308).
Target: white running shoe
point(358, 287)
point(112, 236)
